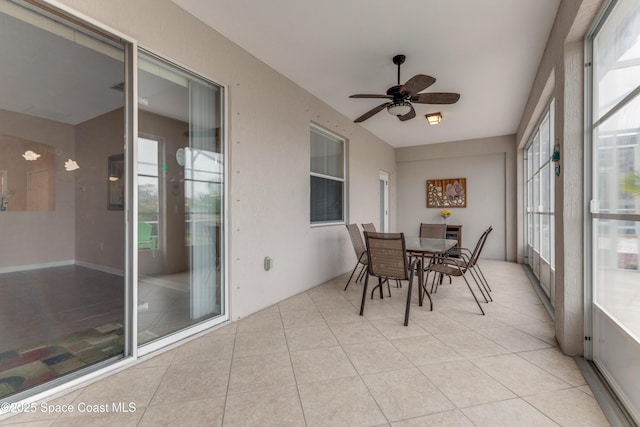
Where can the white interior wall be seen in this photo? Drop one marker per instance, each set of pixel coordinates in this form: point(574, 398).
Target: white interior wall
point(485, 198)
point(488, 165)
point(55, 229)
point(269, 119)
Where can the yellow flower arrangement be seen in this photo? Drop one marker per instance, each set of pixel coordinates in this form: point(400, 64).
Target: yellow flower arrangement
point(445, 213)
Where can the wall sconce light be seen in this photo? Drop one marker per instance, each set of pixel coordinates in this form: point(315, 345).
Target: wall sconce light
point(434, 118)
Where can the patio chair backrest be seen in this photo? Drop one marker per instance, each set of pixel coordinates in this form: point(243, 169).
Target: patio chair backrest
point(357, 242)
point(369, 227)
point(387, 255)
point(479, 246)
point(434, 231)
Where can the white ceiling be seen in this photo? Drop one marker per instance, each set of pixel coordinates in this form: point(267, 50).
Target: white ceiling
point(486, 50)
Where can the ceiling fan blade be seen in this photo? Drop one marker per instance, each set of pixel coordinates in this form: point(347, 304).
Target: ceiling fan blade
point(436, 98)
point(372, 112)
point(371, 96)
point(417, 83)
point(410, 115)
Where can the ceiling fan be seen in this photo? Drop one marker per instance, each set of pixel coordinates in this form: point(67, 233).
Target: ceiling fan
point(401, 96)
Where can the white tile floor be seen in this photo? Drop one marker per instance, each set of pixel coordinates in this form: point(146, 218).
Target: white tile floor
point(313, 361)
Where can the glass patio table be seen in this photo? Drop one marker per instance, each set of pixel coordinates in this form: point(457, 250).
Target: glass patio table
point(427, 247)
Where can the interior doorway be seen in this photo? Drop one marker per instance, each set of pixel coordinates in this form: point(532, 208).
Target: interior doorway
point(384, 201)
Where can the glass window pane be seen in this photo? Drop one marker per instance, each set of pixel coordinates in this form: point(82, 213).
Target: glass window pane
point(617, 256)
point(536, 232)
point(617, 157)
point(148, 195)
point(536, 152)
point(147, 157)
point(536, 193)
point(545, 140)
point(327, 155)
point(616, 69)
point(326, 200)
point(180, 195)
point(545, 237)
point(552, 248)
point(203, 165)
point(552, 187)
point(545, 194)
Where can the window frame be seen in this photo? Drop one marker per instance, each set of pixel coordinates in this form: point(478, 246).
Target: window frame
point(160, 195)
point(534, 167)
point(343, 180)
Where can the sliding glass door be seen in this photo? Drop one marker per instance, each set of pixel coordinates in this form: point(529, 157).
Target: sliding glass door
point(615, 200)
point(62, 199)
point(180, 193)
point(85, 203)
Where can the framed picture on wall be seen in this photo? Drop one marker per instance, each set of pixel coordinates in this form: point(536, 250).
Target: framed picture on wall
point(447, 193)
point(115, 184)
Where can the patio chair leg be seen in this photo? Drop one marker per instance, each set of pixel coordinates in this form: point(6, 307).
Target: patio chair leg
point(485, 279)
point(423, 288)
point(430, 301)
point(434, 283)
point(350, 277)
point(479, 281)
point(478, 285)
point(408, 306)
point(363, 271)
point(473, 293)
point(485, 282)
point(379, 285)
point(364, 294)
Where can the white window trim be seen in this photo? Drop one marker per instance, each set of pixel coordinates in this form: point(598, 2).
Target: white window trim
point(343, 141)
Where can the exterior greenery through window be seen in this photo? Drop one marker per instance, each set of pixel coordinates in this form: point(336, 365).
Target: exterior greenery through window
point(540, 171)
point(327, 177)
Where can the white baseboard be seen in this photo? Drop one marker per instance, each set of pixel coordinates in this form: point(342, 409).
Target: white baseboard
point(102, 268)
point(64, 263)
point(28, 267)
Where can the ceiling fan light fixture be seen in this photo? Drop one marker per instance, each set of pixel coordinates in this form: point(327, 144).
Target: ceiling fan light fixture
point(399, 108)
point(434, 118)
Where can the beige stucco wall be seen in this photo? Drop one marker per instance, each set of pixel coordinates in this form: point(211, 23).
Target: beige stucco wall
point(488, 164)
point(269, 119)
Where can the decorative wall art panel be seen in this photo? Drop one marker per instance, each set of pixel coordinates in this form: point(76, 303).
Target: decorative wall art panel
point(447, 193)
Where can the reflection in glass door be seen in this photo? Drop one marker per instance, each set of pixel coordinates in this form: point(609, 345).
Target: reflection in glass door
point(180, 200)
point(615, 201)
